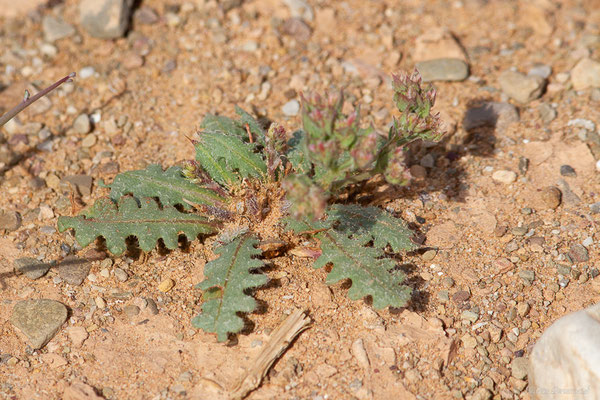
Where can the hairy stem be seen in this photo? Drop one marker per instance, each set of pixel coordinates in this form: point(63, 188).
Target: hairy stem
point(27, 101)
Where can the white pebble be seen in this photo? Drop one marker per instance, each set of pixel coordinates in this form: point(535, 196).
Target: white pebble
point(291, 108)
point(86, 72)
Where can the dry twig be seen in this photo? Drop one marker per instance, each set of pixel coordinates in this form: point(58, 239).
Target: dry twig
point(279, 342)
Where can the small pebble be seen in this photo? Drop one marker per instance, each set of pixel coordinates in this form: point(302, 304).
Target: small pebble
point(551, 197)
point(100, 303)
point(443, 69)
point(74, 270)
point(504, 176)
point(82, 124)
point(166, 285)
point(520, 87)
point(447, 282)
point(519, 367)
point(541, 70)
point(528, 276)
point(89, 141)
point(470, 316)
point(86, 72)
point(443, 296)
point(567, 170)
point(121, 275)
point(578, 253)
point(469, 341)
point(461, 296)
point(10, 220)
point(131, 310)
point(291, 108)
point(481, 394)
point(429, 255)
point(585, 74)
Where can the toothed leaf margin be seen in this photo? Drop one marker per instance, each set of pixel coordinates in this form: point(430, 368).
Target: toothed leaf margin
point(227, 279)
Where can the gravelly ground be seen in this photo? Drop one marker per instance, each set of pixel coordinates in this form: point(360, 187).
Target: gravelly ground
point(507, 263)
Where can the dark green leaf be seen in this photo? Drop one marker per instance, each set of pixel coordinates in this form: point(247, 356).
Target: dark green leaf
point(170, 186)
point(231, 275)
point(147, 222)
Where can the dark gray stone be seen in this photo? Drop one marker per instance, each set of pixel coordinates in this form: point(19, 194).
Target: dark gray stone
point(567, 170)
point(32, 268)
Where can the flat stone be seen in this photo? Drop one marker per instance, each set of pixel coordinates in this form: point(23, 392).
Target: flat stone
point(56, 28)
point(521, 87)
point(32, 268)
point(579, 253)
point(39, 320)
point(503, 176)
point(461, 296)
point(10, 220)
point(470, 316)
point(492, 114)
point(586, 74)
point(105, 19)
point(443, 69)
point(527, 275)
point(74, 270)
point(89, 141)
point(568, 356)
point(121, 275)
point(131, 310)
point(82, 183)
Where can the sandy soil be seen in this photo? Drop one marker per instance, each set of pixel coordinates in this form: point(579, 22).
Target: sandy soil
point(151, 89)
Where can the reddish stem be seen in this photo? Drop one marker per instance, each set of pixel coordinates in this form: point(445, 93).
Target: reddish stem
point(28, 101)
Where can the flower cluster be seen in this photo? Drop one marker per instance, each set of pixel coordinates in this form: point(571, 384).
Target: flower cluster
point(341, 152)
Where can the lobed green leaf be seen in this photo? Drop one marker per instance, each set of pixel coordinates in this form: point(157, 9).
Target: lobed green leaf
point(383, 227)
point(147, 222)
point(370, 274)
point(227, 158)
point(170, 186)
point(227, 279)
